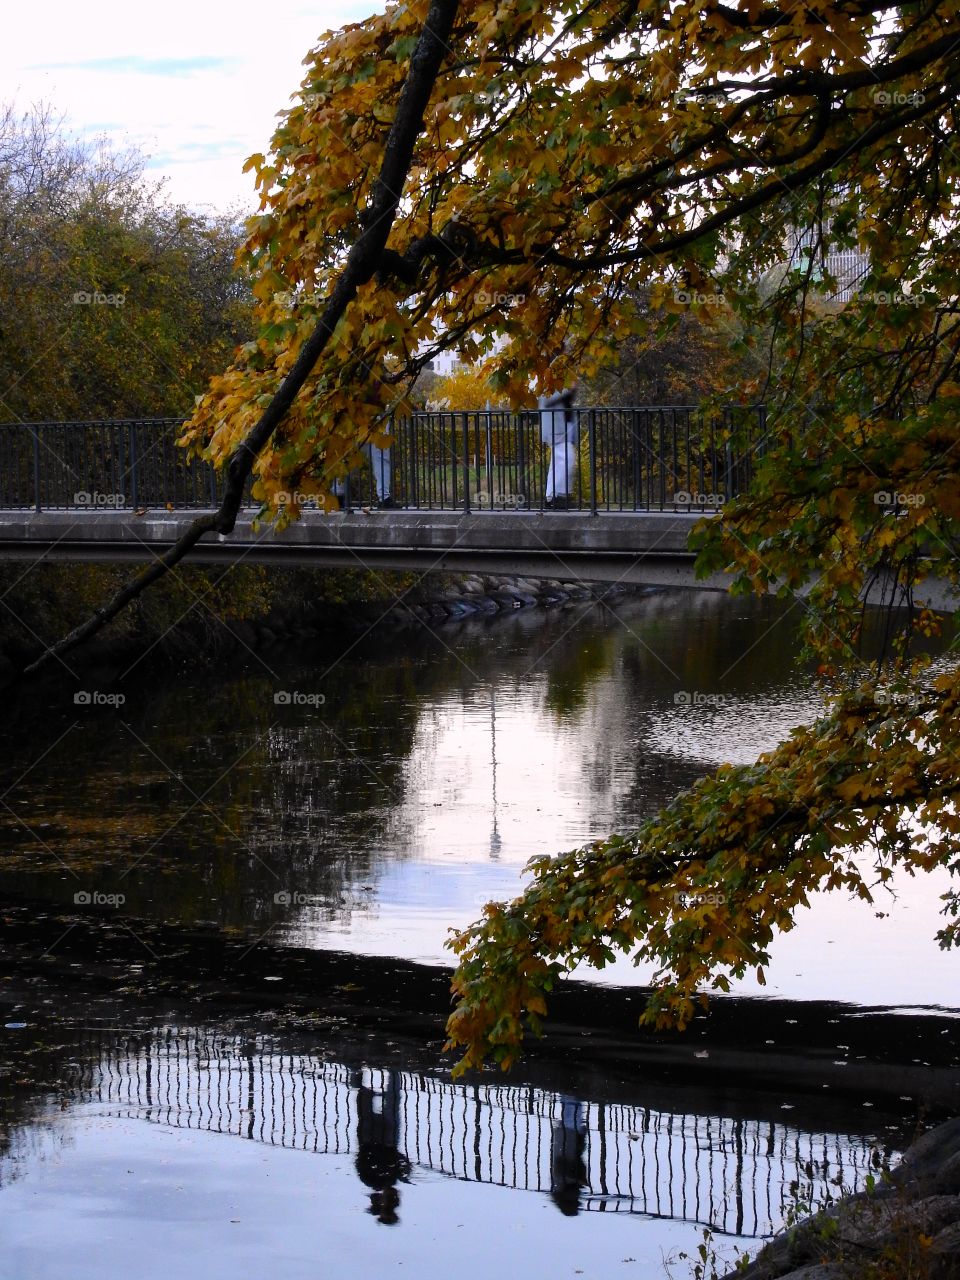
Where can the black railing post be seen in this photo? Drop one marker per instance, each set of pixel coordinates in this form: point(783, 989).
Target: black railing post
point(488, 467)
point(522, 487)
point(466, 463)
point(730, 485)
point(674, 451)
point(134, 487)
point(758, 452)
point(116, 458)
point(412, 427)
point(36, 467)
point(397, 461)
point(592, 445)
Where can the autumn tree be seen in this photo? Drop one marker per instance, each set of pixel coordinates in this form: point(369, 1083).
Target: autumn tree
point(503, 178)
point(677, 357)
point(113, 302)
point(464, 388)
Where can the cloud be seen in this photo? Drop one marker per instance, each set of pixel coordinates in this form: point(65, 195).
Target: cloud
point(190, 152)
point(133, 64)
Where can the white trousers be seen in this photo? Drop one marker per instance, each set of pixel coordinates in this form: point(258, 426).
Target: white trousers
point(561, 472)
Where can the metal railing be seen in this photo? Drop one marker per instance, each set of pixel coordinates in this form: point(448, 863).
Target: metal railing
point(642, 458)
point(735, 1175)
point(106, 465)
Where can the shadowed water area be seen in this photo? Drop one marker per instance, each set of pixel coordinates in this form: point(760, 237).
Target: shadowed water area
point(227, 901)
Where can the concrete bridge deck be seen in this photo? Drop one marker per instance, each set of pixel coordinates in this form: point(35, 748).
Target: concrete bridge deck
point(638, 548)
point(629, 547)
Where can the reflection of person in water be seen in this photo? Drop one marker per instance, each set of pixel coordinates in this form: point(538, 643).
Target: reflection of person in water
point(380, 1162)
point(568, 1172)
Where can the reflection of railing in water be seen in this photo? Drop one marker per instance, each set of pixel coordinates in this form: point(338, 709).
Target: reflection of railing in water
point(734, 1175)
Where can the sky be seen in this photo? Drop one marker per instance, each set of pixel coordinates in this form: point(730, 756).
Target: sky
point(196, 84)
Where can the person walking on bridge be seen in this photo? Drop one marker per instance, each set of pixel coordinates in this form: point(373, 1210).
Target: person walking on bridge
point(381, 465)
point(560, 431)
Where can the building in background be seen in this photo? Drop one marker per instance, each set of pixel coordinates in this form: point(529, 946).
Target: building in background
point(847, 266)
point(444, 363)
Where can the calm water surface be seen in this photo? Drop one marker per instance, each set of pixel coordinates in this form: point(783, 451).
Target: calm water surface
point(365, 798)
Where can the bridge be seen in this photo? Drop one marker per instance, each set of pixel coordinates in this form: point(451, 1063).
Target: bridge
point(455, 491)
point(736, 1175)
point(474, 491)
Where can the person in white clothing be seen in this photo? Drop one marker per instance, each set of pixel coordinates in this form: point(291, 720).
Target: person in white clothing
point(560, 431)
point(381, 464)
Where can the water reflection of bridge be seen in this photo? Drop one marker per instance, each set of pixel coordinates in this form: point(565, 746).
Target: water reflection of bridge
point(734, 1175)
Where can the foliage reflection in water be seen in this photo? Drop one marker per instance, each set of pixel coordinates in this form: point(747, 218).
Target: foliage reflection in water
point(436, 766)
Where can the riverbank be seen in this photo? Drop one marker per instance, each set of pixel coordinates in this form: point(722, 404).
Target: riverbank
point(904, 1227)
point(200, 614)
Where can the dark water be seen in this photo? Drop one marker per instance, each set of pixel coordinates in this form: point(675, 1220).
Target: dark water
point(364, 798)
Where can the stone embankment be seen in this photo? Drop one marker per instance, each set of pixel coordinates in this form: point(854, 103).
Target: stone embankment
point(305, 615)
point(907, 1227)
point(435, 602)
point(489, 595)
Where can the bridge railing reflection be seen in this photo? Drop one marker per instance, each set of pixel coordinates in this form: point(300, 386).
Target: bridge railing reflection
point(735, 1175)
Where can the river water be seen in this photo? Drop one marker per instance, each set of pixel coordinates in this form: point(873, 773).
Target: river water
point(360, 799)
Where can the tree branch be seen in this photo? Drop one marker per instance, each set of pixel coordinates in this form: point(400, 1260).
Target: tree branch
point(362, 262)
